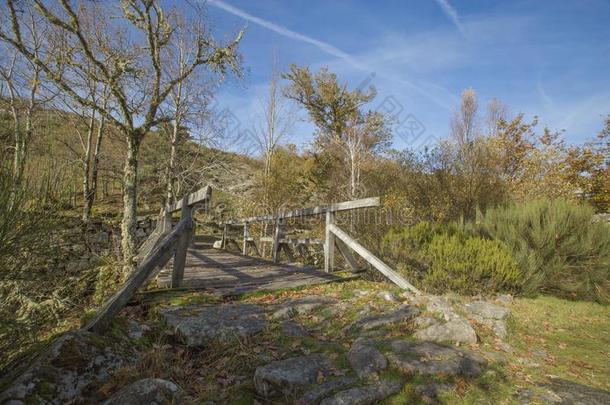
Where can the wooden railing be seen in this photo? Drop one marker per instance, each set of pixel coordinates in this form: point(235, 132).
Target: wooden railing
point(334, 237)
point(156, 251)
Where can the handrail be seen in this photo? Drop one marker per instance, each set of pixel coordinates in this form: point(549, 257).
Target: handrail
point(155, 252)
point(322, 209)
point(334, 237)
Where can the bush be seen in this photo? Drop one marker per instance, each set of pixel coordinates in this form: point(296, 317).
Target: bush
point(557, 245)
point(443, 257)
point(469, 265)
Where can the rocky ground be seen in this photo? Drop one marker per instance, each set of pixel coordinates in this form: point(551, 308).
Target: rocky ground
point(349, 343)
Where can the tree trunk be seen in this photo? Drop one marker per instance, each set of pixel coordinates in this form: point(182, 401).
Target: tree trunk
point(130, 181)
point(90, 197)
point(171, 175)
point(86, 168)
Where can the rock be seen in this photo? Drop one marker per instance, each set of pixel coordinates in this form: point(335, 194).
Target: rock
point(74, 366)
point(217, 244)
point(429, 392)
point(401, 314)
point(490, 315)
point(427, 358)
point(387, 296)
point(134, 330)
point(300, 306)
point(456, 330)
point(293, 329)
point(424, 321)
point(368, 394)
point(319, 392)
point(487, 310)
point(197, 326)
point(504, 299)
point(437, 305)
point(365, 359)
point(290, 375)
point(362, 293)
point(147, 391)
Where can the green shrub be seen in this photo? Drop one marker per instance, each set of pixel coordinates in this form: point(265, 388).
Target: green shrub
point(439, 258)
point(405, 245)
point(557, 246)
point(469, 265)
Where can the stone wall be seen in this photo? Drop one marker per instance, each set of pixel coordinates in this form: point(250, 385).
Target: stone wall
point(78, 246)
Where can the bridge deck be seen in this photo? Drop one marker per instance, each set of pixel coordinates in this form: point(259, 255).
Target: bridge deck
point(227, 273)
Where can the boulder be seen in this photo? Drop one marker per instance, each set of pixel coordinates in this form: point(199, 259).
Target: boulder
point(427, 358)
point(365, 395)
point(198, 326)
point(300, 306)
point(154, 391)
point(365, 359)
point(456, 330)
point(73, 366)
point(401, 314)
point(290, 375)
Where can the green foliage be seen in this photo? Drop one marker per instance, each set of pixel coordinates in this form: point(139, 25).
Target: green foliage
point(556, 244)
point(441, 258)
point(469, 265)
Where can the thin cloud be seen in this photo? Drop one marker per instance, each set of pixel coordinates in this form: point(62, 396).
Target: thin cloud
point(452, 14)
point(323, 46)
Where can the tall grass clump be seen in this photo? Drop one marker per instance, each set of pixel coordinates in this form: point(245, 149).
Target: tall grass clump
point(557, 245)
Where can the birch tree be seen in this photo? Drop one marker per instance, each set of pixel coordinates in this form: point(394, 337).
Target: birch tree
point(128, 46)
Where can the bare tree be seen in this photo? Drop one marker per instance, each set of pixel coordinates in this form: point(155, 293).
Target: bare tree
point(464, 123)
point(23, 83)
point(278, 119)
point(497, 112)
point(128, 47)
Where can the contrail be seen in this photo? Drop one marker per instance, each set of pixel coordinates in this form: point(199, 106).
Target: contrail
point(452, 13)
point(323, 46)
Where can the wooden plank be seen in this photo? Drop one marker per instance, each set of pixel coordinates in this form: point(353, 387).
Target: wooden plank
point(141, 274)
point(371, 258)
point(329, 243)
point(323, 209)
point(198, 196)
point(347, 255)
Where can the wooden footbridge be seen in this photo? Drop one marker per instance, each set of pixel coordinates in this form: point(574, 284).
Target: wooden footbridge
point(174, 258)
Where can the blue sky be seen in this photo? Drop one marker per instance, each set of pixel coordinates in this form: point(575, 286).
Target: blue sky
point(549, 58)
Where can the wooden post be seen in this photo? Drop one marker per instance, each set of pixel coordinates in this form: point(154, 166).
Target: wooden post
point(223, 243)
point(329, 243)
point(277, 234)
point(245, 245)
point(166, 219)
point(182, 246)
